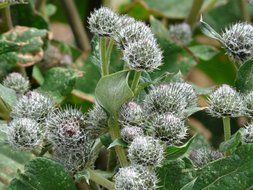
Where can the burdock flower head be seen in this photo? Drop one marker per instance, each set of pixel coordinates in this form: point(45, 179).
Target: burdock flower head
point(237, 40)
point(201, 157)
point(181, 32)
point(128, 134)
point(173, 98)
point(17, 82)
point(103, 22)
point(168, 128)
point(247, 134)
point(143, 55)
point(24, 134)
point(225, 101)
point(146, 151)
point(32, 105)
point(131, 114)
point(135, 178)
point(248, 101)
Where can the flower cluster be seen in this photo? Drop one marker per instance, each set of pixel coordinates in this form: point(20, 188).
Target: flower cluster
point(140, 49)
point(181, 32)
point(247, 135)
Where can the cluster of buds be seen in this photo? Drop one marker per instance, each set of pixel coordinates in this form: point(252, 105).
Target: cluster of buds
point(181, 32)
point(140, 49)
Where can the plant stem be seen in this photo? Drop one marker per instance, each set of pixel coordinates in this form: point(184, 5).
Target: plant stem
point(5, 22)
point(244, 11)
point(194, 12)
point(227, 131)
point(115, 133)
point(136, 79)
point(103, 56)
point(97, 178)
point(112, 160)
point(75, 22)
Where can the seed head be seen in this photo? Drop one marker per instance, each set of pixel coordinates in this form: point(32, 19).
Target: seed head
point(225, 101)
point(33, 105)
point(103, 22)
point(173, 98)
point(128, 134)
point(168, 128)
point(134, 32)
point(67, 128)
point(248, 102)
point(97, 120)
point(247, 135)
point(17, 82)
point(24, 134)
point(143, 55)
point(238, 41)
point(131, 114)
point(135, 178)
point(181, 32)
point(146, 151)
point(203, 156)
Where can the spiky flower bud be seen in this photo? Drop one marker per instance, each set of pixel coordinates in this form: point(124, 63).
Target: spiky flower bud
point(17, 82)
point(97, 120)
point(24, 134)
point(181, 32)
point(203, 156)
point(66, 128)
point(128, 134)
point(173, 98)
point(250, 2)
point(146, 151)
point(225, 101)
point(238, 41)
point(143, 55)
point(247, 135)
point(168, 128)
point(135, 178)
point(248, 102)
point(131, 114)
point(103, 22)
point(134, 32)
point(33, 105)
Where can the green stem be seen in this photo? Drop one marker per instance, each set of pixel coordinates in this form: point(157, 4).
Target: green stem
point(136, 79)
point(97, 178)
point(194, 12)
point(227, 131)
point(244, 11)
point(103, 56)
point(115, 133)
point(112, 160)
point(5, 19)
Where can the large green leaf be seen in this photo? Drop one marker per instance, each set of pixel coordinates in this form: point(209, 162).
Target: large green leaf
point(233, 172)
point(204, 52)
point(176, 174)
point(42, 174)
point(112, 91)
point(59, 82)
point(244, 78)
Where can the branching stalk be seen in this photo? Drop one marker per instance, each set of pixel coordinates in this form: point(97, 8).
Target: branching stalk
point(227, 131)
point(115, 133)
point(97, 178)
point(194, 12)
point(244, 11)
point(103, 56)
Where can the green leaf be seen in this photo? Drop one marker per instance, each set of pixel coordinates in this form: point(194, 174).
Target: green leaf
point(175, 174)
point(8, 96)
point(244, 78)
point(118, 141)
point(59, 82)
point(37, 75)
point(189, 186)
point(173, 152)
point(112, 91)
point(204, 52)
point(106, 139)
point(42, 173)
point(6, 47)
point(232, 143)
point(209, 31)
point(233, 172)
point(190, 111)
